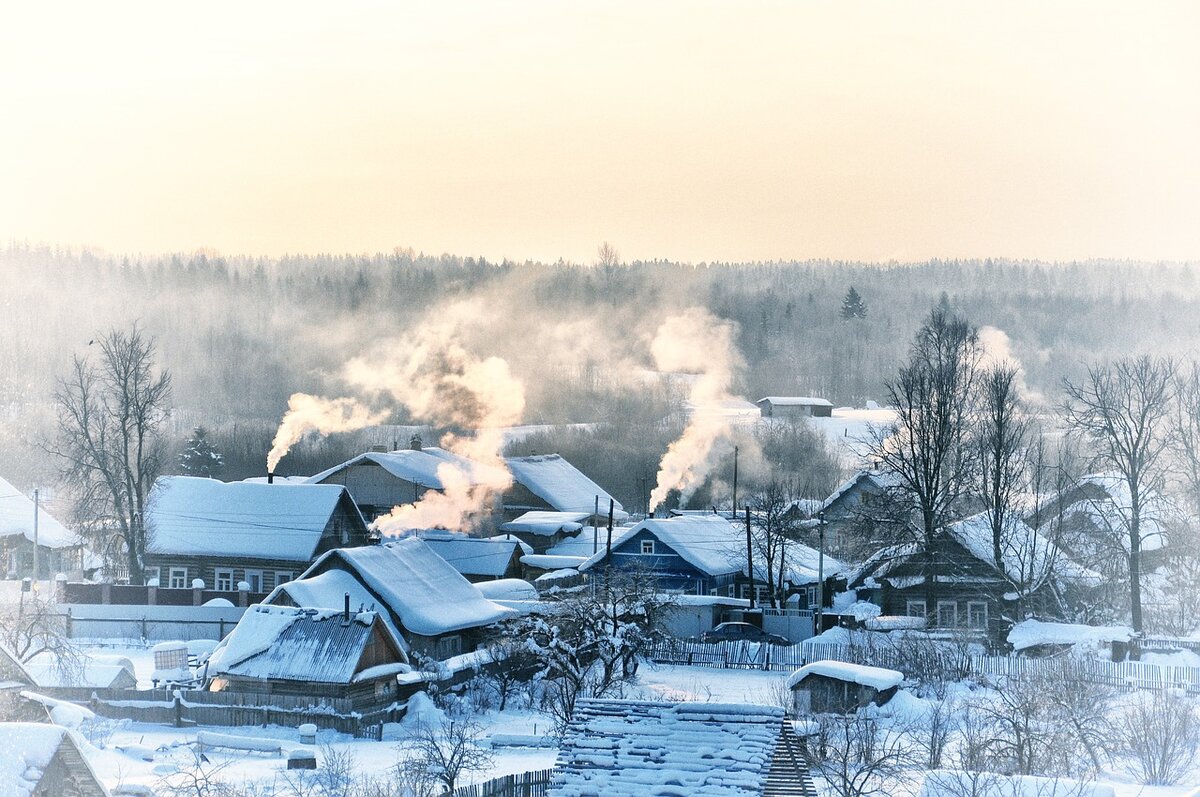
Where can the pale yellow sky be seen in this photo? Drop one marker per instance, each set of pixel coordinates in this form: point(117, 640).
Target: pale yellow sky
point(684, 130)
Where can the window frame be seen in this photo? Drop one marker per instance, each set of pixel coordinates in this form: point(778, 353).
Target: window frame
point(647, 547)
point(953, 605)
point(923, 612)
point(226, 575)
point(970, 621)
point(249, 576)
point(182, 573)
point(151, 573)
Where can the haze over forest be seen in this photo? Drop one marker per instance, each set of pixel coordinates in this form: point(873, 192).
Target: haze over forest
point(241, 335)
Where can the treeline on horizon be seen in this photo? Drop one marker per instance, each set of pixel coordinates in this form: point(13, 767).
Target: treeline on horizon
point(240, 335)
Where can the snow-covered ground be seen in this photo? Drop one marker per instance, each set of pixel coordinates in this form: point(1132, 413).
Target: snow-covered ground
point(140, 753)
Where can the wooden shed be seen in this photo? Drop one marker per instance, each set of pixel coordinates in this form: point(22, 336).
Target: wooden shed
point(839, 687)
point(38, 760)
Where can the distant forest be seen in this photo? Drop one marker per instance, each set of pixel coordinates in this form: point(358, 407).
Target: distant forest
point(240, 335)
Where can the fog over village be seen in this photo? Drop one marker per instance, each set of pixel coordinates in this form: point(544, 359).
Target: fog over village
point(625, 399)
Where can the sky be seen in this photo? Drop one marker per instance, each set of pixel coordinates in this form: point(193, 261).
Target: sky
point(693, 131)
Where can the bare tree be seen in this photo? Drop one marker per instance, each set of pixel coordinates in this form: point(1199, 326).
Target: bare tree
point(1003, 436)
point(450, 750)
point(110, 417)
point(34, 626)
point(1159, 734)
point(927, 447)
point(1185, 431)
point(774, 527)
point(1124, 409)
point(858, 757)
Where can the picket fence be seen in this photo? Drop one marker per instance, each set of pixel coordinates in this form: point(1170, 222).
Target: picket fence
point(908, 659)
point(524, 784)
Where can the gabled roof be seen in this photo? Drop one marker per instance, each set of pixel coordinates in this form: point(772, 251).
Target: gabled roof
point(419, 466)
point(16, 517)
point(328, 590)
point(12, 671)
point(473, 556)
point(796, 401)
point(707, 542)
point(27, 750)
point(426, 594)
point(204, 517)
point(627, 747)
point(290, 644)
point(561, 485)
point(1027, 556)
point(881, 479)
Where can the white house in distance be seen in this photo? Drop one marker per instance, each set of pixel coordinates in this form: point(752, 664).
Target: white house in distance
point(794, 406)
point(59, 549)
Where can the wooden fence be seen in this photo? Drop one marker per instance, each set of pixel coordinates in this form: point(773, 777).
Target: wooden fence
point(186, 708)
point(915, 658)
point(525, 784)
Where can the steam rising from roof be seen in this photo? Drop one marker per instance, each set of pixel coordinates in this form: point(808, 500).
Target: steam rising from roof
point(442, 383)
point(307, 413)
point(696, 342)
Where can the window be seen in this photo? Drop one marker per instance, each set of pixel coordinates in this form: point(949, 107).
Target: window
point(812, 597)
point(152, 575)
point(977, 614)
point(648, 546)
point(255, 579)
point(283, 576)
point(915, 609)
point(178, 578)
point(224, 577)
point(947, 614)
point(449, 646)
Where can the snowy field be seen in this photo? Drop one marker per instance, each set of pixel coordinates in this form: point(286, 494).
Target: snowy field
point(140, 753)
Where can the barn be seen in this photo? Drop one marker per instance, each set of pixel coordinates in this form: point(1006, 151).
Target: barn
point(794, 407)
point(838, 687)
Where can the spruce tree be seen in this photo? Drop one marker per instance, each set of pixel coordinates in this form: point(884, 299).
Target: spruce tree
point(853, 305)
point(199, 458)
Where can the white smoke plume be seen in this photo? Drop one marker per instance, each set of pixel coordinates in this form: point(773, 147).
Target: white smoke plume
point(696, 342)
point(997, 349)
point(442, 383)
point(307, 413)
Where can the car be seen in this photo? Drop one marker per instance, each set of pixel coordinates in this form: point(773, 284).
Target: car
point(742, 632)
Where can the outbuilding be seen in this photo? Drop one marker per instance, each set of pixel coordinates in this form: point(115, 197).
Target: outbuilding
point(839, 687)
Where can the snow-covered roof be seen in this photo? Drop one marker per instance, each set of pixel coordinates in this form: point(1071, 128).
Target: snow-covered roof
point(954, 783)
point(635, 749)
point(883, 480)
point(419, 466)
point(328, 590)
point(47, 673)
point(11, 668)
point(508, 589)
point(546, 523)
point(588, 542)
point(561, 485)
point(508, 537)
point(879, 678)
point(472, 556)
point(707, 542)
point(796, 401)
point(549, 562)
point(291, 644)
point(1028, 557)
point(1030, 633)
point(205, 517)
point(16, 517)
point(421, 588)
point(26, 749)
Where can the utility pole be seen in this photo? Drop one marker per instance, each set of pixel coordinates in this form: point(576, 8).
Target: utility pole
point(749, 557)
point(735, 464)
point(35, 535)
point(820, 569)
point(608, 549)
point(596, 526)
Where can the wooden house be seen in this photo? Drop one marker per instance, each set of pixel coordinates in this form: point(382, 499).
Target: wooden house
point(794, 407)
point(429, 605)
point(477, 559)
point(380, 480)
point(25, 529)
point(14, 679)
point(867, 506)
point(838, 687)
point(257, 533)
point(622, 747)
point(542, 529)
point(347, 655)
point(38, 760)
point(706, 555)
point(549, 483)
point(970, 590)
